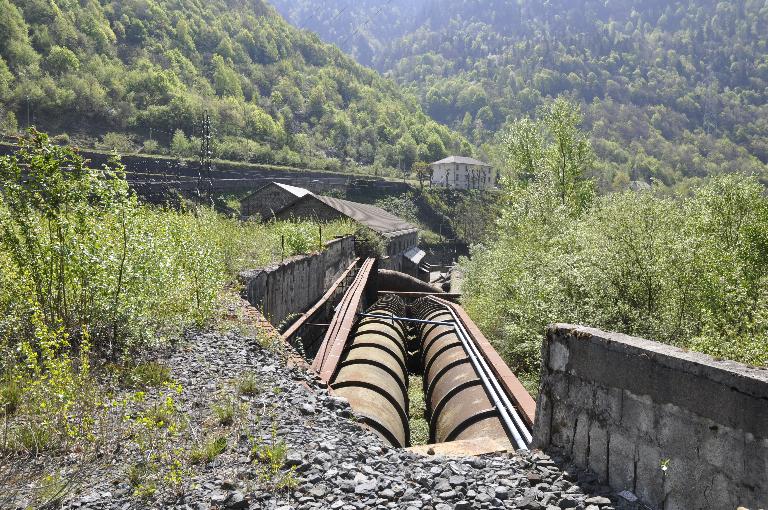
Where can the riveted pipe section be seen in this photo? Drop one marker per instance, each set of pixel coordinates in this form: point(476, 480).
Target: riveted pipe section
point(372, 373)
point(458, 406)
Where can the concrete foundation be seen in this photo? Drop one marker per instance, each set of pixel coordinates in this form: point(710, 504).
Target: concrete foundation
point(678, 429)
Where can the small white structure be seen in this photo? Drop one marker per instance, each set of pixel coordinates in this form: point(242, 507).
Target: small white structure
point(460, 172)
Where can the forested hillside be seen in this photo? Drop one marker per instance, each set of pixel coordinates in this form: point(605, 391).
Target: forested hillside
point(141, 74)
point(671, 90)
point(361, 28)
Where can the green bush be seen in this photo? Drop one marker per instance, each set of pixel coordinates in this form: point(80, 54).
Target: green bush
point(149, 375)
point(369, 244)
point(87, 272)
point(691, 270)
point(76, 246)
point(118, 142)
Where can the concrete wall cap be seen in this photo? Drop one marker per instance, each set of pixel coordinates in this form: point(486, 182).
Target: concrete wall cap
point(724, 371)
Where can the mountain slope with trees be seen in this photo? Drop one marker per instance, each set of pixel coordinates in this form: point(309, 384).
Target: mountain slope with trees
point(361, 28)
point(672, 91)
point(143, 73)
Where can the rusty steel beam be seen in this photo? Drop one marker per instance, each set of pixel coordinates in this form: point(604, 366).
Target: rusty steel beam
point(452, 296)
point(335, 341)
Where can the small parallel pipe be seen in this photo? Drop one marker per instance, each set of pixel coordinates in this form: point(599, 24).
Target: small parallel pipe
point(512, 421)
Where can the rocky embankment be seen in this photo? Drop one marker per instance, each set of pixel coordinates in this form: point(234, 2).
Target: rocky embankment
point(292, 445)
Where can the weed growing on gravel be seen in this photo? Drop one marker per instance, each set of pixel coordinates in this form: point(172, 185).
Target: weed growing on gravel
point(248, 384)
point(159, 416)
point(269, 460)
point(156, 430)
point(225, 412)
point(271, 341)
point(137, 473)
point(51, 491)
point(55, 402)
point(209, 450)
point(149, 375)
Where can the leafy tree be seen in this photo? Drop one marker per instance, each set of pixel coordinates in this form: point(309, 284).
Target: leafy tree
point(225, 79)
point(407, 152)
point(182, 146)
point(118, 142)
point(553, 148)
point(61, 60)
point(423, 172)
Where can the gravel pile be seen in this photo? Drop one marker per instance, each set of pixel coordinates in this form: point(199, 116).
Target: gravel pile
point(336, 463)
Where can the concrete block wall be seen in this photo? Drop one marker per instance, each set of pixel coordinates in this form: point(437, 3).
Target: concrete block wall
point(284, 290)
point(625, 407)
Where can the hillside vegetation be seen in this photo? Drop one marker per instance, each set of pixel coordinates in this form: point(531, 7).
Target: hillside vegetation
point(140, 74)
point(671, 91)
point(361, 28)
point(89, 281)
point(689, 269)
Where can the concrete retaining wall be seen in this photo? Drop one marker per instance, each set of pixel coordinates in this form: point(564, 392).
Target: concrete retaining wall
point(625, 407)
point(294, 285)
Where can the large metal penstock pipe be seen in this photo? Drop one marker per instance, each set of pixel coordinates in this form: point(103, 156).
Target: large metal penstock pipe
point(372, 374)
point(457, 404)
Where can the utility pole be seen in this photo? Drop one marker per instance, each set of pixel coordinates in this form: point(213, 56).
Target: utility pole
point(205, 154)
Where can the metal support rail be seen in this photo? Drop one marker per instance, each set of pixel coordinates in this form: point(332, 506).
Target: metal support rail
point(295, 330)
point(404, 319)
point(509, 415)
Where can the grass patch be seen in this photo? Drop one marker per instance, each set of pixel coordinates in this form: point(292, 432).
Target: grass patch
point(51, 491)
point(10, 397)
point(225, 412)
point(209, 450)
point(149, 375)
point(141, 477)
point(248, 384)
point(416, 408)
point(33, 438)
